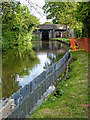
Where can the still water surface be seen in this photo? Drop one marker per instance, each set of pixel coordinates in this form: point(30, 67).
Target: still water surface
point(18, 71)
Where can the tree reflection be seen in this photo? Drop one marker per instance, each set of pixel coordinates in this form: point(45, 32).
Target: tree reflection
point(12, 66)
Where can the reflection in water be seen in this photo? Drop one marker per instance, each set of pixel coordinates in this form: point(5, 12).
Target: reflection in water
point(12, 67)
point(18, 71)
point(36, 70)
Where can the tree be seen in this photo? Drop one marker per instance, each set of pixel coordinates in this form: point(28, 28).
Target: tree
point(60, 12)
point(17, 26)
point(83, 15)
point(66, 13)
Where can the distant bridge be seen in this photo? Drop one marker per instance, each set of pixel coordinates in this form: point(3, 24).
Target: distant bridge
point(47, 31)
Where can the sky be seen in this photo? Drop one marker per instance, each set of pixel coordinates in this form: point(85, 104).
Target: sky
point(39, 12)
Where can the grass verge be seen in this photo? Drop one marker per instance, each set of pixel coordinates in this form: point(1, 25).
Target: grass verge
point(62, 39)
point(72, 98)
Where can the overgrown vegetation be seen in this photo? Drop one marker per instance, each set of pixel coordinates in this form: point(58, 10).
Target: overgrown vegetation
point(70, 100)
point(17, 27)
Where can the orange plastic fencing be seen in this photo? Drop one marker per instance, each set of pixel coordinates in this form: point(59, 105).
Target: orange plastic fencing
point(87, 44)
point(72, 43)
point(80, 44)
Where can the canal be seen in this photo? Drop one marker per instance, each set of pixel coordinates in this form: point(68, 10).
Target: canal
point(19, 71)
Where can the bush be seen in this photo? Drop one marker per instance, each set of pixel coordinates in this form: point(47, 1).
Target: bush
point(35, 37)
point(78, 33)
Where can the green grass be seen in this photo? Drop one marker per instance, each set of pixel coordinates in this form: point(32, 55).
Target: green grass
point(72, 93)
point(63, 39)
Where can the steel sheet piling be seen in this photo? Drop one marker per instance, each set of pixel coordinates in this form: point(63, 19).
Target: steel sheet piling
point(27, 97)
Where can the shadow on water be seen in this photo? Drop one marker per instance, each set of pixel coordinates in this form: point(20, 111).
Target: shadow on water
point(18, 71)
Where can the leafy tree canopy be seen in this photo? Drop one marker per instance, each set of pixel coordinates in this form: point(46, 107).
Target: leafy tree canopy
point(69, 13)
point(83, 15)
point(17, 26)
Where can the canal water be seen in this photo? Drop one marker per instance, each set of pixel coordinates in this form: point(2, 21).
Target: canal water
point(19, 71)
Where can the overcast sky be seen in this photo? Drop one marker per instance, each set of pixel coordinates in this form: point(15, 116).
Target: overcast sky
point(38, 12)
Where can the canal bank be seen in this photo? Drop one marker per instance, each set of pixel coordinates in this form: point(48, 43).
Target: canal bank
point(18, 71)
point(70, 100)
point(26, 97)
point(62, 40)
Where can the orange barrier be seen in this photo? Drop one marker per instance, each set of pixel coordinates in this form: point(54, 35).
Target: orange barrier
point(87, 44)
point(72, 43)
point(80, 44)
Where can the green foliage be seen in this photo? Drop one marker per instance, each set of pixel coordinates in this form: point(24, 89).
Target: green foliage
point(17, 26)
point(78, 33)
point(73, 14)
point(61, 12)
point(62, 39)
point(67, 32)
point(48, 23)
point(83, 15)
point(82, 11)
point(35, 37)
